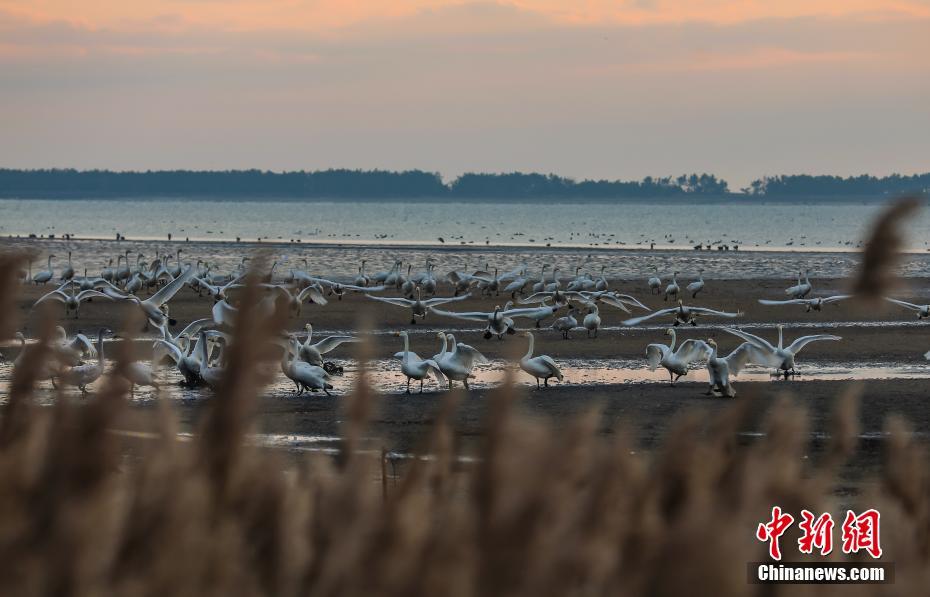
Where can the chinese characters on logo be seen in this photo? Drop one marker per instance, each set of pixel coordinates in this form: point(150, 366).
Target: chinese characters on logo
point(859, 532)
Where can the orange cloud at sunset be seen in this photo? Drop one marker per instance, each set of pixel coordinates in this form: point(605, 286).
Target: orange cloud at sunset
point(323, 15)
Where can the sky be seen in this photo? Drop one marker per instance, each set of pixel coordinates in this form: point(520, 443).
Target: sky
point(584, 88)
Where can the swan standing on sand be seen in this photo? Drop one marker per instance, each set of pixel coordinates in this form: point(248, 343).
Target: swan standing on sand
point(138, 374)
point(457, 363)
point(697, 286)
point(413, 367)
point(676, 362)
point(812, 304)
point(719, 368)
point(541, 285)
point(672, 289)
point(592, 321)
point(801, 289)
point(778, 357)
point(72, 301)
point(566, 323)
point(655, 282)
point(923, 311)
point(67, 272)
point(683, 315)
point(45, 275)
point(84, 375)
point(362, 279)
point(540, 367)
point(304, 375)
point(418, 307)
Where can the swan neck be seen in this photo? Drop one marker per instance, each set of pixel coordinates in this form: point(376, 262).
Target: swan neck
point(529, 349)
point(671, 346)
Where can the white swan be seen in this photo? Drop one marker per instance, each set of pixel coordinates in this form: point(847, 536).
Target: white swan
point(154, 308)
point(67, 272)
point(304, 375)
point(683, 315)
point(107, 273)
point(313, 353)
point(47, 370)
point(672, 289)
point(500, 321)
point(566, 323)
point(211, 376)
point(84, 375)
point(340, 289)
point(923, 311)
point(720, 368)
point(138, 374)
point(697, 286)
point(72, 301)
point(418, 307)
point(186, 359)
point(45, 275)
point(541, 366)
point(592, 321)
point(541, 285)
point(801, 289)
point(676, 362)
point(413, 367)
point(655, 282)
point(812, 304)
point(457, 363)
point(778, 357)
point(600, 283)
point(362, 279)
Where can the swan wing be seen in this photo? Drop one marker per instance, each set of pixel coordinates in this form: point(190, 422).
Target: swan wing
point(796, 346)
point(471, 354)
point(413, 356)
point(752, 338)
point(529, 312)
point(398, 302)
point(536, 297)
point(171, 350)
point(550, 362)
point(706, 311)
point(639, 320)
point(442, 301)
point(314, 294)
point(86, 294)
point(327, 344)
point(613, 302)
point(744, 354)
point(171, 288)
point(363, 288)
point(84, 345)
point(691, 350)
point(55, 295)
point(837, 298)
point(195, 326)
point(224, 313)
point(435, 370)
point(467, 316)
point(906, 304)
point(654, 355)
point(769, 302)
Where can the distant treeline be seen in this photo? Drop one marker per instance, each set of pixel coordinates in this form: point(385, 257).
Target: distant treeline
point(374, 184)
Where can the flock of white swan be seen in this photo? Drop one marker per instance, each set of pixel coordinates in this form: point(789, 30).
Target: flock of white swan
point(197, 350)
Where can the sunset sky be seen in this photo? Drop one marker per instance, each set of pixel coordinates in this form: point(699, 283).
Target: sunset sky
point(585, 88)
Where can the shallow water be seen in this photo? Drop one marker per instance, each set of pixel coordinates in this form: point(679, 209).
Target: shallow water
point(667, 222)
point(385, 376)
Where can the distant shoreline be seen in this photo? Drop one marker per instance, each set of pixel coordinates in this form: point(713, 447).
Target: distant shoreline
point(735, 198)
